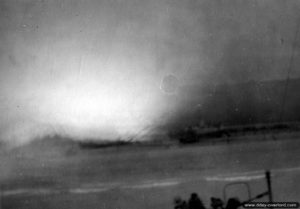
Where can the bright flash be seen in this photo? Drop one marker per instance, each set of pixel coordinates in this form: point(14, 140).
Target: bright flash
point(112, 110)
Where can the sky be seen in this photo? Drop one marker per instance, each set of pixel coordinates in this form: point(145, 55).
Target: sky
point(94, 68)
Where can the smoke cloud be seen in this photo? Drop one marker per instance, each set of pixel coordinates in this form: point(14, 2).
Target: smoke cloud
point(93, 69)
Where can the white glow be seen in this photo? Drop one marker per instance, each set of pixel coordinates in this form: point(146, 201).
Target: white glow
point(102, 105)
point(102, 101)
point(90, 75)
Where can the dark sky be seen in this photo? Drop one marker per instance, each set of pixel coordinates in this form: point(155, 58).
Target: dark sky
point(93, 68)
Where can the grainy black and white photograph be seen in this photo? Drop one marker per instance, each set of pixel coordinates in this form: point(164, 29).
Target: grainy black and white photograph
point(149, 104)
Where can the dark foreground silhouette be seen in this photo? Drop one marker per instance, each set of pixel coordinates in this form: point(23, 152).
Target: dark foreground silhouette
point(195, 202)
